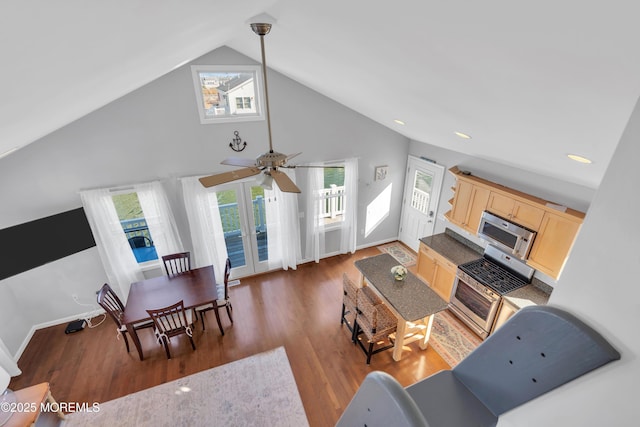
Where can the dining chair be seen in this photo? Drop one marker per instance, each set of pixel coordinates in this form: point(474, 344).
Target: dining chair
point(172, 321)
point(109, 300)
point(374, 320)
point(222, 301)
point(177, 263)
point(349, 304)
point(140, 242)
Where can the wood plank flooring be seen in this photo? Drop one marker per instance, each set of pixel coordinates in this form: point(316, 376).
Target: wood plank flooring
point(298, 309)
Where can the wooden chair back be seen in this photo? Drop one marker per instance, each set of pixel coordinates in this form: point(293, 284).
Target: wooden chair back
point(109, 300)
point(172, 321)
point(177, 263)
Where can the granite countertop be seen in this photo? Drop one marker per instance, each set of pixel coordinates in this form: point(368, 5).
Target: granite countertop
point(537, 293)
point(453, 247)
point(411, 298)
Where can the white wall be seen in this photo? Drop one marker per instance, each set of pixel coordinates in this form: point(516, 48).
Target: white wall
point(154, 133)
point(600, 286)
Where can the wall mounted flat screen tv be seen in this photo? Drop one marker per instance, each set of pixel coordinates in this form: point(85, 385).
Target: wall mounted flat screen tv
point(35, 243)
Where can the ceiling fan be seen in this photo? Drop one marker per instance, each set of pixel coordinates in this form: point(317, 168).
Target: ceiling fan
point(267, 163)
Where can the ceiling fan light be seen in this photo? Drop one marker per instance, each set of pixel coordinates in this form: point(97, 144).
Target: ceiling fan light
point(266, 182)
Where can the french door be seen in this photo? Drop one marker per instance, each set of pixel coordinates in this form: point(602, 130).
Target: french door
point(420, 202)
point(241, 206)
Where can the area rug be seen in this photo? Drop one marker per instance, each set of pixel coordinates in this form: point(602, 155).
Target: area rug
point(451, 339)
point(257, 391)
point(399, 252)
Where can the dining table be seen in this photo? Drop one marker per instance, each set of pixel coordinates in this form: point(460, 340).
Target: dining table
point(411, 300)
point(194, 287)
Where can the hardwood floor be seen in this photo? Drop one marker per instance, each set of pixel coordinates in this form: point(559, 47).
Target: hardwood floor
point(298, 309)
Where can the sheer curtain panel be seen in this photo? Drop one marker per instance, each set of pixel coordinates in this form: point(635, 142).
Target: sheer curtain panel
point(283, 227)
point(159, 217)
point(315, 245)
point(350, 224)
point(118, 260)
point(207, 235)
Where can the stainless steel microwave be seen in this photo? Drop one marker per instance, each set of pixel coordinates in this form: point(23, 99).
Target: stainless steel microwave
point(512, 238)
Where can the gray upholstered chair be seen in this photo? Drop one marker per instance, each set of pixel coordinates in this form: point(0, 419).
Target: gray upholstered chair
point(538, 349)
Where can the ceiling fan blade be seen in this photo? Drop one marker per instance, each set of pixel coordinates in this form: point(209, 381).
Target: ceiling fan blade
point(239, 161)
point(284, 182)
point(221, 178)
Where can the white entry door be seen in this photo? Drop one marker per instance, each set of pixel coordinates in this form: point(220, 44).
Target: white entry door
point(420, 203)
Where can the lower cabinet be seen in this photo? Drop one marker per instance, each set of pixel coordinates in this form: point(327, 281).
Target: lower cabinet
point(505, 311)
point(437, 271)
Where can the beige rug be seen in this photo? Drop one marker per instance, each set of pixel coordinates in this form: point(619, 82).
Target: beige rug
point(257, 391)
point(399, 252)
point(451, 339)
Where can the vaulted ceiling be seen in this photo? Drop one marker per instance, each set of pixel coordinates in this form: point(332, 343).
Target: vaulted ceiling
point(529, 82)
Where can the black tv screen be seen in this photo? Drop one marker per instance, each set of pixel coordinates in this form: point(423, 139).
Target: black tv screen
point(35, 243)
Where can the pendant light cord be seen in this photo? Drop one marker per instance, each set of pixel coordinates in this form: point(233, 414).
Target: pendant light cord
point(266, 91)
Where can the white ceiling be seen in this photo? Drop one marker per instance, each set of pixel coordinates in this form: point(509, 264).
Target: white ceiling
point(530, 82)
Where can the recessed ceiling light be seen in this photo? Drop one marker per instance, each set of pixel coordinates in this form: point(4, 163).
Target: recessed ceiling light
point(400, 122)
point(462, 135)
point(579, 159)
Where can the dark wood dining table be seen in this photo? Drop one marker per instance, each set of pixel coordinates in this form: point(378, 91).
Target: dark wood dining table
point(195, 288)
point(412, 302)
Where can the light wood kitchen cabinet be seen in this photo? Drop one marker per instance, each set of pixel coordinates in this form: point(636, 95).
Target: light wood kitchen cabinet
point(556, 226)
point(506, 310)
point(553, 243)
point(468, 204)
point(437, 271)
point(515, 210)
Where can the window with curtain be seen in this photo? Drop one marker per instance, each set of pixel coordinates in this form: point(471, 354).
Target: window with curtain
point(331, 207)
point(115, 249)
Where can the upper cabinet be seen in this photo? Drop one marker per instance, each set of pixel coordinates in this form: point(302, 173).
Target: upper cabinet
point(556, 226)
point(553, 243)
point(508, 207)
point(467, 205)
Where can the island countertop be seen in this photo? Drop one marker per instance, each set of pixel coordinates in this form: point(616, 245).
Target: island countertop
point(411, 297)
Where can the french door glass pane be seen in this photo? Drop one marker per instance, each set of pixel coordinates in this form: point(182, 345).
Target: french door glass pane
point(421, 191)
point(257, 199)
point(230, 217)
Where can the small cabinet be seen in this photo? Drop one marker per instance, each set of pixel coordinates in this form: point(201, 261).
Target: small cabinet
point(506, 310)
point(469, 202)
point(515, 210)
point(437, 271)
point(553, 243)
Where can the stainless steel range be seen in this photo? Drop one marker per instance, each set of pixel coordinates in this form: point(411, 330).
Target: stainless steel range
point(480, 284)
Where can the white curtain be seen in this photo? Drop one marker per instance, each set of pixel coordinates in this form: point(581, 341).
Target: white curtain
point(207, 235)
point(6, 361)
point(283, 227)
point(315, 245)
point(350, 223)
point(117, 258)
point(159, 218)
